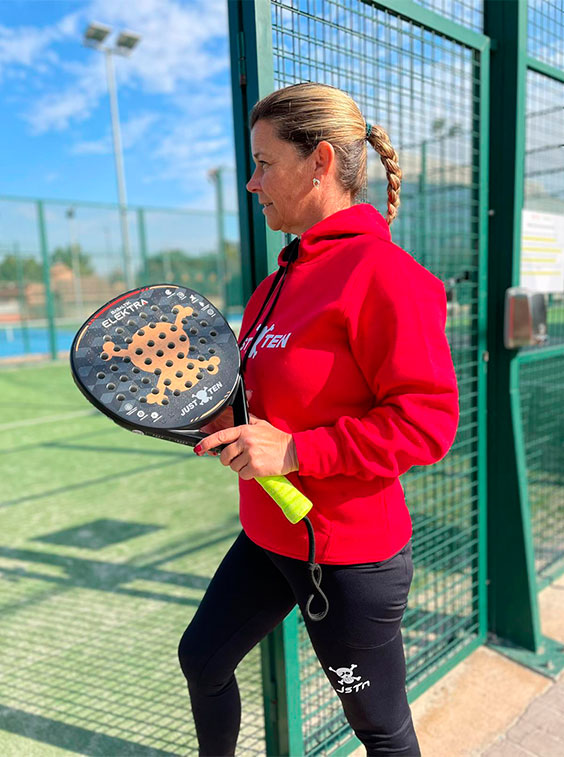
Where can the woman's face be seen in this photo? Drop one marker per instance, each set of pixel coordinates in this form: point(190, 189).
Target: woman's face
point(282, 181)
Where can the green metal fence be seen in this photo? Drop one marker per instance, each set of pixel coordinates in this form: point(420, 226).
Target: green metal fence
point(60, 260)
point(435, 74)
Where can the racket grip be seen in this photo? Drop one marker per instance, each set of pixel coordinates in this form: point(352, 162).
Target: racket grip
point(291, 501)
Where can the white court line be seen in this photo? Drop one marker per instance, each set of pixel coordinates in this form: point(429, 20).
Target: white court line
point(47, 419)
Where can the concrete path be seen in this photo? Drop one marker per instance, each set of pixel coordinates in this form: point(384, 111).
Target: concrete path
point(489, 706)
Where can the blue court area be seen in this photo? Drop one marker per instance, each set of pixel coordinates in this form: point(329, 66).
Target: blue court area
point(16, 341)
point(108, 542)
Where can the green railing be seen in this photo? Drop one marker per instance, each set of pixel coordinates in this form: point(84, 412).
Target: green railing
point(60, 260)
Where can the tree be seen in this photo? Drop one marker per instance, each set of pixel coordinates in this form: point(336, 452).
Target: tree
point(30, 269)
point(65, 255)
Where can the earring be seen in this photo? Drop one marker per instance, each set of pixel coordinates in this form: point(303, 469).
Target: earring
point(316, 183)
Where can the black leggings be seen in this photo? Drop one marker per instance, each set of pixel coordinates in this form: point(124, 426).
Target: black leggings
point(359, 642)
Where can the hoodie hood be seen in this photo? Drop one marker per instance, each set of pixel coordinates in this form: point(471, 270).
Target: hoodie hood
point(351, 222)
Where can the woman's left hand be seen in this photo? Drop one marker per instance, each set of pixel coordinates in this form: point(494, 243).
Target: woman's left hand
point(255, 449)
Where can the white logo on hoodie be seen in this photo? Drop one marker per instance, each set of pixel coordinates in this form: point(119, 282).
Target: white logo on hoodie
point(267, 339)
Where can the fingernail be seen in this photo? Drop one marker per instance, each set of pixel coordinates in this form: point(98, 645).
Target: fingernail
point(198, 449)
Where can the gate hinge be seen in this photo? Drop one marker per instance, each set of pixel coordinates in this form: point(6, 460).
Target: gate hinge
point(486, 356)
point(242, 59)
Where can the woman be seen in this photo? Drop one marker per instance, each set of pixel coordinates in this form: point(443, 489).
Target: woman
point(351, 383)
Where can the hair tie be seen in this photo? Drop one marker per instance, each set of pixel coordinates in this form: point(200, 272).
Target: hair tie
point(368, 130)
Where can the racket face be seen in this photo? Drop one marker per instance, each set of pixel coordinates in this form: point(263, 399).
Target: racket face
point(160, 357)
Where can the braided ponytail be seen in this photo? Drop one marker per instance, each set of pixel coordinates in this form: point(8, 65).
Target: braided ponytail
point(380, 141)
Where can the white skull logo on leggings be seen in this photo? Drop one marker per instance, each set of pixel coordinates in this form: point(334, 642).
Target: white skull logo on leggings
point(347, 682)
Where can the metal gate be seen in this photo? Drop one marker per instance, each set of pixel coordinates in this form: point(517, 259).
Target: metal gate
point(425, 77)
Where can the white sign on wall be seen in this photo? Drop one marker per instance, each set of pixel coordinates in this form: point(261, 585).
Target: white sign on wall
point(542, 251)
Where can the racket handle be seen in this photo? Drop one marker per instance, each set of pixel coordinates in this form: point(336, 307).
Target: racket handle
point(291, 501)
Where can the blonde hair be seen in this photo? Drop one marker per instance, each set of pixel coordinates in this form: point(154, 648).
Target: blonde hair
point(307, 113)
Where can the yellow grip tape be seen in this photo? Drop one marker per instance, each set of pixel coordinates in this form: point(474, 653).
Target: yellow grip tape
point(292, 502)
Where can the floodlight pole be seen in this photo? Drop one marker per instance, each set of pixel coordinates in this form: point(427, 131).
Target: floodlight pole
point(118, 156)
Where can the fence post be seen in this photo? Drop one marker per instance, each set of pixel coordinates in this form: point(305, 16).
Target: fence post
point(49, 305)
point(281, 689)
point(21, 298)
point(143, 245)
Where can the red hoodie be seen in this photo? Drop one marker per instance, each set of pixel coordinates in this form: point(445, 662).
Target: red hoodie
point(354, 362)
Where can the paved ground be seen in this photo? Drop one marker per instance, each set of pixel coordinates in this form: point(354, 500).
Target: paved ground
point(539, 731)
point(489, 706)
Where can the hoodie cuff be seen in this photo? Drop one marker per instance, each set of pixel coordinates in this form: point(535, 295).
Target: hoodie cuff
point(308, 446)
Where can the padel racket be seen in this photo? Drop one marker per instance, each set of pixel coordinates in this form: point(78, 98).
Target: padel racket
point(163, 361)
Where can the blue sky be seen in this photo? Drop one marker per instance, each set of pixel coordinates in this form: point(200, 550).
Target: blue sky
point(174, 100)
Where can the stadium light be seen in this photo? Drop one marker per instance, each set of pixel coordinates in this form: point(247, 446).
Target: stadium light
point(96, 34)
point(126, 42)
point(94, 37)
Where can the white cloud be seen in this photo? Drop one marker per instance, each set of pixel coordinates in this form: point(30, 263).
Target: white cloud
point(132, 132)
point(177, 51)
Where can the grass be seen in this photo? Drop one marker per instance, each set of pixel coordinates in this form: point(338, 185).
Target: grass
point(108, 542)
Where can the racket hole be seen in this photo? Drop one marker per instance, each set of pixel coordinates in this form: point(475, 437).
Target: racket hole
point(119, 330)
point(185, 321)
point(142, 399)
point(171, 345)
point(175, 309)
point(107, 338)
point(199, 375)
point(128, 340)
point(169, 363)
point(162, 335)
point(188, 384)
point(191, 349)
point(213, 333)
point(183, 338)
point(133, 388)
point(111, 386)
point(131, 323)
point(211, 368)
point(127, 359)
point(152, 325)
point(143, 315)
point(100, 375)
point(117, 349)
point(211, 351)
point(203, 341)
point(165, 401)
point(174, 328)
point(124, 378)
point(176, 393)
point(140, 332)
point(150, 343)
point(136, 370)
point(113, 368)
point(180, 355)
point(164, 318)
point(195, 314)
point(201, 358)
point(193, 330)
point(160, 353)
point(138, 351)
point(145, 380)
point(179, 374)
point(191, 366)
point(167, 382)
point(154, 391)
point(120, 397)
point(148, 361)
point(157, 371)
point(154, 308)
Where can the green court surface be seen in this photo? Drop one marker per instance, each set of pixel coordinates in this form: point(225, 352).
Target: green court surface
point(107, 543)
